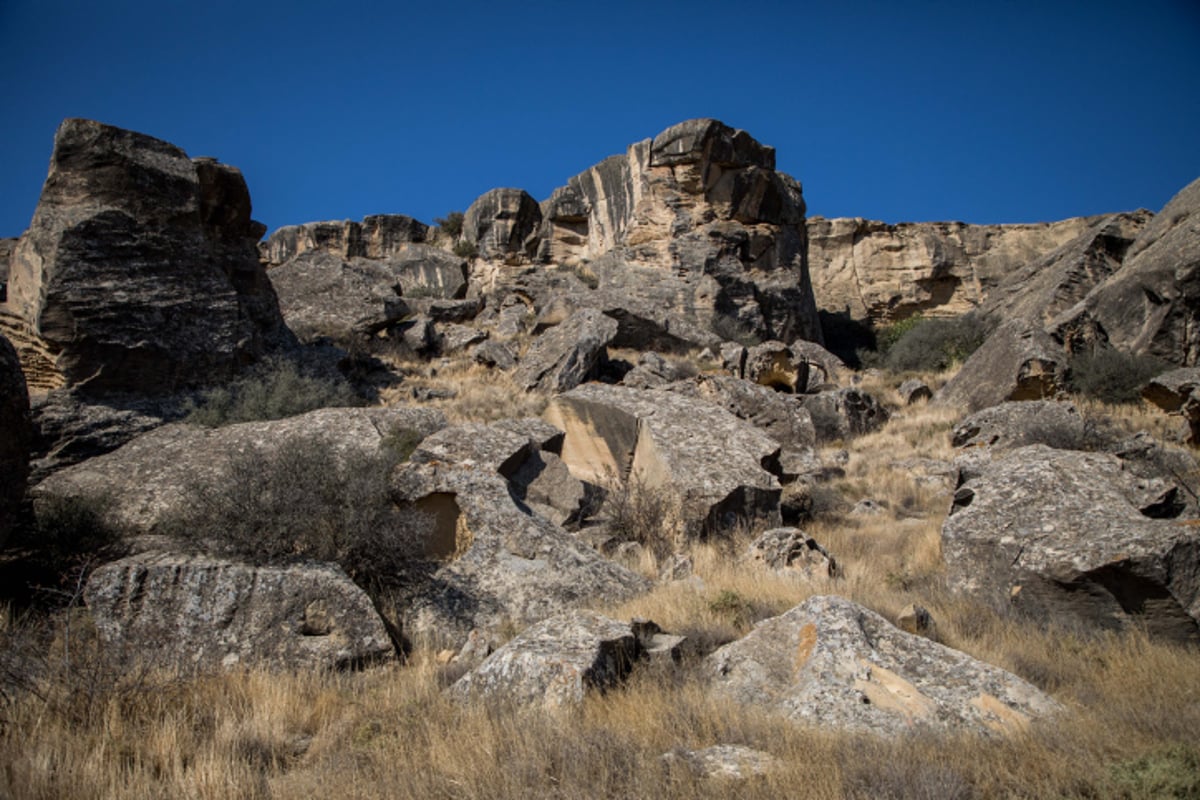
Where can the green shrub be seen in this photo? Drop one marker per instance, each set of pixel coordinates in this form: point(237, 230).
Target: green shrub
point(305, 499)
point(466, 249)
point(1112, 376)
point(930, 345)
point(277, 389)
point(451, 224)
point(1172, 772)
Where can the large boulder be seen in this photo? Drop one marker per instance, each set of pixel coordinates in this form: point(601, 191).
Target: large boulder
point(781, 416)
point(148, 481)
point(1178, 392)
point(1076, 538)
point(195, 613)
point(567, 354)
point(1148, 306)
point(844, 413)
point(16, 442)
point(555, 663)
point(713, 469)
point(1016, 424)
point(1019, 361)
point(139, 271)
point(832, 663)
point(499, 564)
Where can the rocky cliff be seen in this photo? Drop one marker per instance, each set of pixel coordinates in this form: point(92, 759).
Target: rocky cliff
point(139, 271)
point(880, 272)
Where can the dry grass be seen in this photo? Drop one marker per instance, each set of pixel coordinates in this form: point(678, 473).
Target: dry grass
point(481, 394)
point(391, 733)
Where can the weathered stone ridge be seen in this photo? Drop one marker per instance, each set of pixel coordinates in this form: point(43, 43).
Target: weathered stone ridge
point(377, 236)
point(139, 270)
point(882, 272)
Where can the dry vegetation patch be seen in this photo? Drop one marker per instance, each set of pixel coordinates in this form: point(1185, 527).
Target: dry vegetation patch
point(1132, 705)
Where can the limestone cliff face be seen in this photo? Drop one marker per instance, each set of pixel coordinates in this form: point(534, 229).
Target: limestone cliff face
point(881, 272)
point(696, 220)
point(139, 271)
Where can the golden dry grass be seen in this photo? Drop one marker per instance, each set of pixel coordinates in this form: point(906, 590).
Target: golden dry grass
point(390, 732)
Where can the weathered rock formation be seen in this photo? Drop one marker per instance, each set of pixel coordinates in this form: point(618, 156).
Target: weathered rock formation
point(16, 440)
point(568, 354)
point(1076, 538)
point(1151, 305)
point(880, 273)
point(791, 550)
point(139, 271)
point(502, 224)
point(500, 564)
point(686, 234)
point(555, 663)
point(1019, 361)
point(379, 236)
point(195, 613)
point(831, 662)
point(714, 469)
point(1017, 424)
point(1178, 392)
point(149, 479)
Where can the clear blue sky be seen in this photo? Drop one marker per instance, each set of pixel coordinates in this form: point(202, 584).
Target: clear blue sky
point(983, 112)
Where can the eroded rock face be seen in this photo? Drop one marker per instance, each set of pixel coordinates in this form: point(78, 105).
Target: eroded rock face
point(1076, 538)
point(844, 413)
point(321, 293)
point(711, 466)
point(502, 223)
point(831, 662)
point(555, 663)
point(139, 271)
point(196, 613)
point(1178, 392)
point(791, 550)
point(377, 237)
point(1150, 305)
point(567, 354)
point(1019, 361)
point(16, 441)
point(149, 478)
point(687, 229)
point(501, 565)
point(1042, 288)
point(880, 273)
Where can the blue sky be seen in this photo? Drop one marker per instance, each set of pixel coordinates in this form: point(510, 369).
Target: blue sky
point(983, 112)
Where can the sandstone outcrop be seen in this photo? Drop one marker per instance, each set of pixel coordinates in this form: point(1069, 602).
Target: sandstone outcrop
point(723, 762)
point(683, 235)
point(503, 224)
point(830, 662)
point(1076, 538)
point(321, 293)
point(555, 663)
point(16, 441)
point(148, 479)
point(1178, 392)
point(712, 468)
point(1018, 361)
point(500, 564)
point(1042, 288)
point(198, 614)
point(139, 271)
point(380, 236)
point(1148, 306)
point(881, 273)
